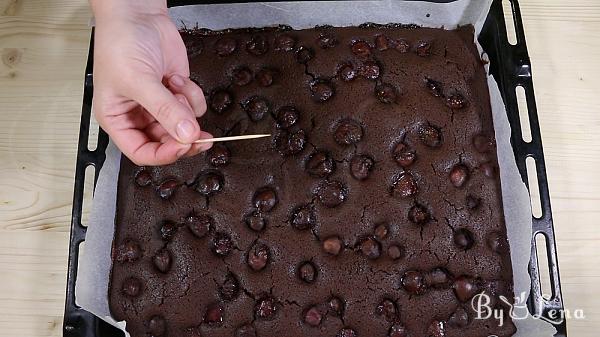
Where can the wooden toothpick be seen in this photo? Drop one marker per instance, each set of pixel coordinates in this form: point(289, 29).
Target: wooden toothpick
point(231, 138)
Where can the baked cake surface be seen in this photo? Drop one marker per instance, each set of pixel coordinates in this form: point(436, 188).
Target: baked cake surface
point(373, 210)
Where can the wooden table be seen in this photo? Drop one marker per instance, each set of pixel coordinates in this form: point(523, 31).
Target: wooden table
point(43, 48)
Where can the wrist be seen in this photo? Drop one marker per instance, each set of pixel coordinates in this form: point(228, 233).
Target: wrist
point(110, 8)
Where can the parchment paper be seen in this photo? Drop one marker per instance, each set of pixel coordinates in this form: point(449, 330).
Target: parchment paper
point(95, 264)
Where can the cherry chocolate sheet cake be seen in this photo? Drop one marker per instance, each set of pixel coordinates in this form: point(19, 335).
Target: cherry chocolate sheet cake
point(374, 209)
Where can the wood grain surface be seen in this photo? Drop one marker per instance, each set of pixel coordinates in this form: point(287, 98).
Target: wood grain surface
point(43, 50)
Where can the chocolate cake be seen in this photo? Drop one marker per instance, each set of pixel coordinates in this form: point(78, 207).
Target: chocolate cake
point(374, 209)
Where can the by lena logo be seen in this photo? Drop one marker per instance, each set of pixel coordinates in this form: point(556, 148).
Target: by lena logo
point(518, 310)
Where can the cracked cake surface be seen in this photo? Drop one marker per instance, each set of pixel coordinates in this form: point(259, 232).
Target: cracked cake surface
point(374, 209)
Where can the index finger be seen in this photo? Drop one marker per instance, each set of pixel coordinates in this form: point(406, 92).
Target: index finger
point(142, 150)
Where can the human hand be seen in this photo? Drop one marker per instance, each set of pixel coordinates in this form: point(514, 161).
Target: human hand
point(137, 51)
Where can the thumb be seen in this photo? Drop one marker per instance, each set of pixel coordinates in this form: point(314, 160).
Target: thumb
point(176, 118)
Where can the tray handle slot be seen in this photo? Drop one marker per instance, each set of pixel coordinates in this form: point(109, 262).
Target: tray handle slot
point(523, 114)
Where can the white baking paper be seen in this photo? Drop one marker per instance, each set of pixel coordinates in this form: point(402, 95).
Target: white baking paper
point(95, 264)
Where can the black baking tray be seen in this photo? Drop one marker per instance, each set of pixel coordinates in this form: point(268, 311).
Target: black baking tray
point(511, 67)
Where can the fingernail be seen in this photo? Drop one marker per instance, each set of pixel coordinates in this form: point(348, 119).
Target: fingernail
point(205, 135)
point(206, 147)
point(185, 131)
point(176, 80)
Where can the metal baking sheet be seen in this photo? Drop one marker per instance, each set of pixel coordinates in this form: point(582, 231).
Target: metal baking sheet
point(95, 264)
